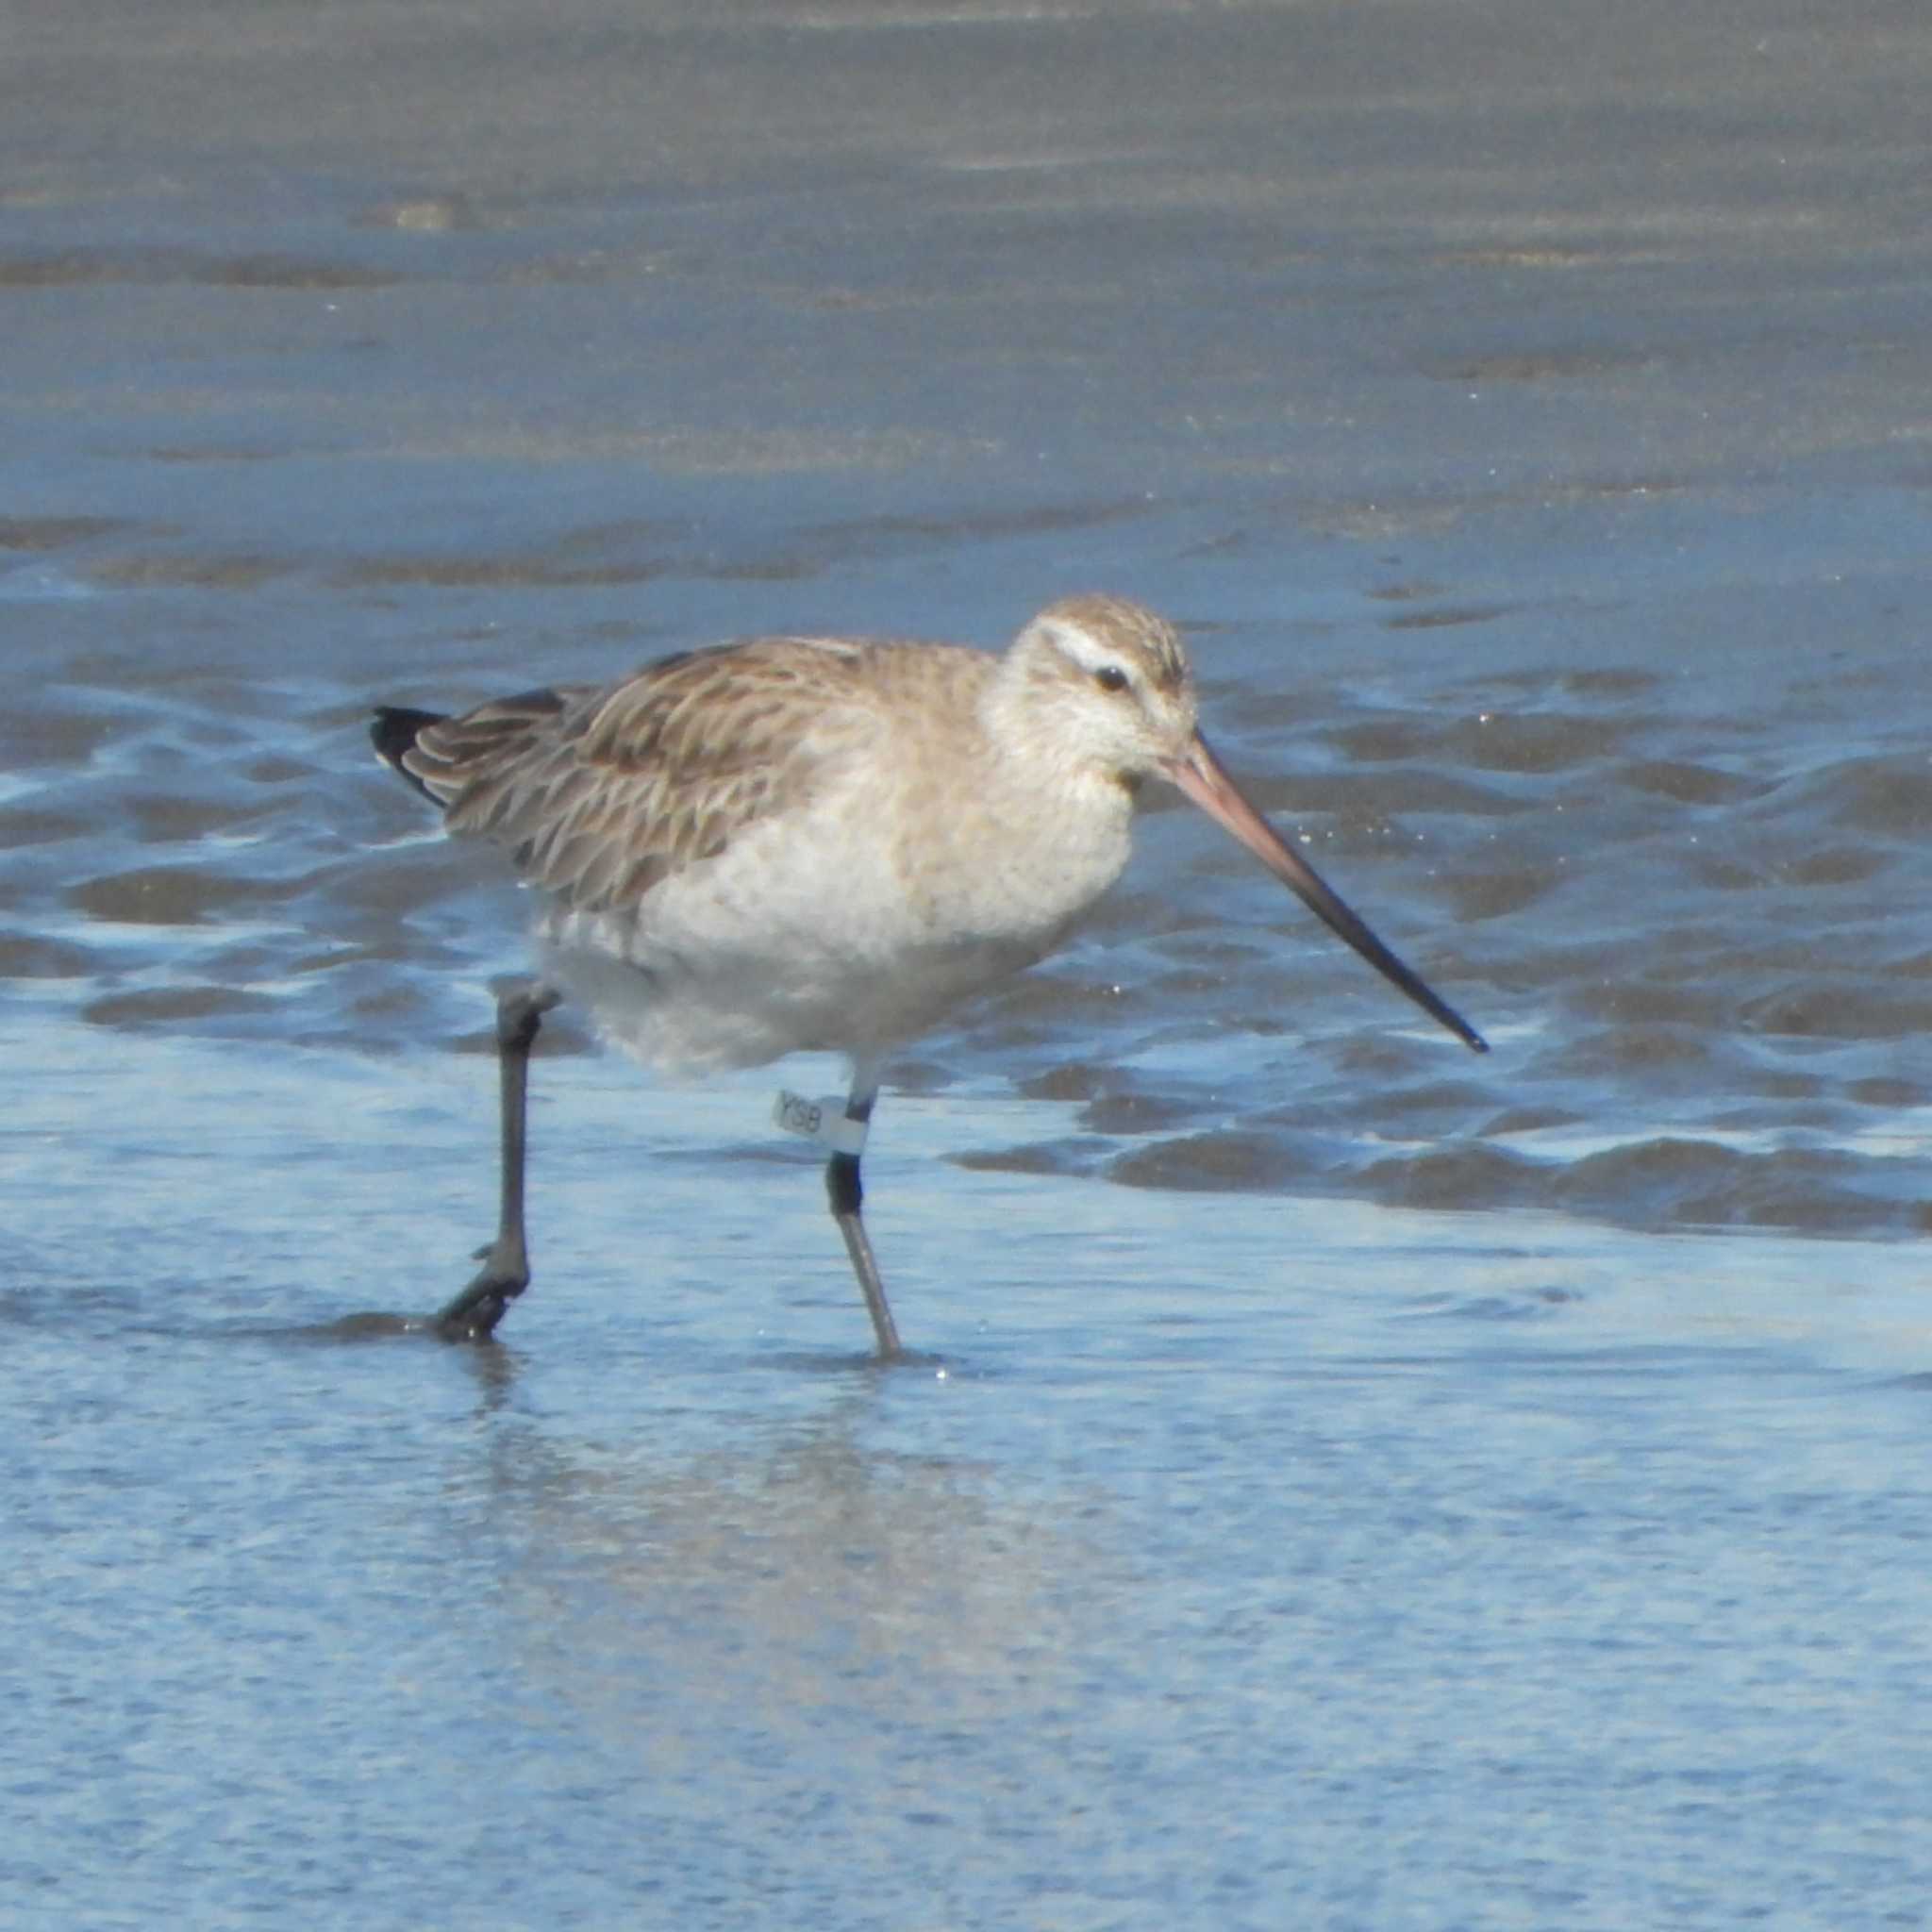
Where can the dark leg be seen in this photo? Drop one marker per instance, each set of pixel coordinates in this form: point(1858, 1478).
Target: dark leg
point(473, 1314)
point(843, 1185)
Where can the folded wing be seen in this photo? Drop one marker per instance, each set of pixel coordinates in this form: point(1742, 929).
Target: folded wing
point(599, 793)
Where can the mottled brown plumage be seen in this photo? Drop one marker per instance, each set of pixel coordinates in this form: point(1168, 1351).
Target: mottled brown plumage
point(601, 792)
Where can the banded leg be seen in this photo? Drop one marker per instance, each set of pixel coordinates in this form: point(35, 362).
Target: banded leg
point(846, 1193)
point(473, 1314)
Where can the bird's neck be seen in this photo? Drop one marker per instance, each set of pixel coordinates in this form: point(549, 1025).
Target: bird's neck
point(1018, 707)
point(1060, 821)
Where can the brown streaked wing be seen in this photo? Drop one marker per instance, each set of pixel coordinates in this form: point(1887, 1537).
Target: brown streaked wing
point(450, 755)
point(599, 793)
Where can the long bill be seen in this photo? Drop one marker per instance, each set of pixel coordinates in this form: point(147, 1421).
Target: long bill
point(1205, 780)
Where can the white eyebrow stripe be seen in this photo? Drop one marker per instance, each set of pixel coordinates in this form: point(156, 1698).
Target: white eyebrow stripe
point(1084, 648)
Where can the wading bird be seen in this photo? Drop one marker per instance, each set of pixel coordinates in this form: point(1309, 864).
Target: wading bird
point(798, 844)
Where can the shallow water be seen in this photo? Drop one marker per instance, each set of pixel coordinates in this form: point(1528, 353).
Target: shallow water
point(1351, 1483)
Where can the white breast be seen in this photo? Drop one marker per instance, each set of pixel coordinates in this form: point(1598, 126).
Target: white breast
point(851, 926)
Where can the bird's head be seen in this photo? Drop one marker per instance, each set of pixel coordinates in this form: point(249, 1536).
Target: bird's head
point(1101, 685)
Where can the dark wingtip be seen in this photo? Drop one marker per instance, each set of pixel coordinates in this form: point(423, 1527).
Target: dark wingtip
point(394, 735)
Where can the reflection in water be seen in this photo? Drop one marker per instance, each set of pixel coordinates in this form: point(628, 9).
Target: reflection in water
point(758, 1593)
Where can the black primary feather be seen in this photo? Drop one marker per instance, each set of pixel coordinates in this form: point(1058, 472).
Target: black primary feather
point(394, 735)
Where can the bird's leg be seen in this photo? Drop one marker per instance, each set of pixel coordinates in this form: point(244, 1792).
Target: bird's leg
point(473, 1314)
point(843, 1185)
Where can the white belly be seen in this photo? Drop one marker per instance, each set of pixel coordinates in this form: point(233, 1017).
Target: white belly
point(812, 934)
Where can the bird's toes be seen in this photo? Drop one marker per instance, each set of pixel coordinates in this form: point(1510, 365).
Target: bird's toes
point(473, 1314)
point(475, 1321)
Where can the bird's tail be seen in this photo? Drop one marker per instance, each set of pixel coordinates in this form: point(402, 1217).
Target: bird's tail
point(394, 735)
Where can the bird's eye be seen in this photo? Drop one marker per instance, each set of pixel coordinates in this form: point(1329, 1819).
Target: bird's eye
point(1110, 677)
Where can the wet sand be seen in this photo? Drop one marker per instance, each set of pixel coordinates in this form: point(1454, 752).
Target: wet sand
point(1526, 410)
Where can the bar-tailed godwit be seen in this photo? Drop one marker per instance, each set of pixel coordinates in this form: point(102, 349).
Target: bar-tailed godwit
point(800, 843)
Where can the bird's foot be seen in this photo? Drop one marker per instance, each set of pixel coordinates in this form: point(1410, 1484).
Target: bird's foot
point(472, 1315)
